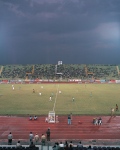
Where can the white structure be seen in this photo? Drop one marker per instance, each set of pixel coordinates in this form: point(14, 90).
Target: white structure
point(51, 117)
point(59, 62)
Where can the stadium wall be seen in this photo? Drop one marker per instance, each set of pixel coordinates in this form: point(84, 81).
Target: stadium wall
point(57, 82)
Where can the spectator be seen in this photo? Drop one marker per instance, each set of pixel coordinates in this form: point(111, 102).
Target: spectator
point(61, 144)
point(71, 147)
point(10, 137)
point(100, 121)
point(18, 144)
point(56, 146)
point(32, 145)
point(35, 117)
point(36, 138)
point(89, 147)
point(96, 121)
point(31, 136)
point(71, 144)
point(79, 144)
point(66, 146)
point(43, 139)
point(48, 134)
point(30, 118)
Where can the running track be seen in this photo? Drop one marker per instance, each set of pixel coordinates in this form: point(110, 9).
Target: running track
point(21, 127)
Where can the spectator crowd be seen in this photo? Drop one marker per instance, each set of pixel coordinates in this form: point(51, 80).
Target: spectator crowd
point(50, 71)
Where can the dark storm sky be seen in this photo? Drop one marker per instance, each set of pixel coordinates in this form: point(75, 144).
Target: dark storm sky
point(72, 31)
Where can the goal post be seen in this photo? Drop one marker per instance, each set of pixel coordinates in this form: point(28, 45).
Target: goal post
point(51, 117)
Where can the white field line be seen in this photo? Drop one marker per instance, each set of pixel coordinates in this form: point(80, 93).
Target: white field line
point(56, 97)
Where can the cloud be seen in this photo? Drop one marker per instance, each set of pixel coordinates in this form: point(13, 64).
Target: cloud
point(15, 9)
point(45, 1)
point(74, 27)
point(109, 31)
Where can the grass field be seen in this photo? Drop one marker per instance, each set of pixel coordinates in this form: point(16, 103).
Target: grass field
point(90, 99)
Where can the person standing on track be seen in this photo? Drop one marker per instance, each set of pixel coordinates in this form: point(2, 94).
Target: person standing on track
point(31, 137)
point(69, 119)
point(43, 139)
point(10, 137)
point(48, 134)
point(36, 138)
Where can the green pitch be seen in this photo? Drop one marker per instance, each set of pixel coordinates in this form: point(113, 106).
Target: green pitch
point(89, 99)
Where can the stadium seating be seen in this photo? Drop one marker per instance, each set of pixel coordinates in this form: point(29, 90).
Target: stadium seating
point(69, 71)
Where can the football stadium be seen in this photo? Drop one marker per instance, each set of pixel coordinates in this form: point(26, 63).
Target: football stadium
point(88, 95)
point(59, 74)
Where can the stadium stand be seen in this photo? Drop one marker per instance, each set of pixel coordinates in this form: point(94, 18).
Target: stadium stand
point(69, 71)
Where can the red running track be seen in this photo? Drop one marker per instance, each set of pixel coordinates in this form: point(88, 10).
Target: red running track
point(21, 127)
